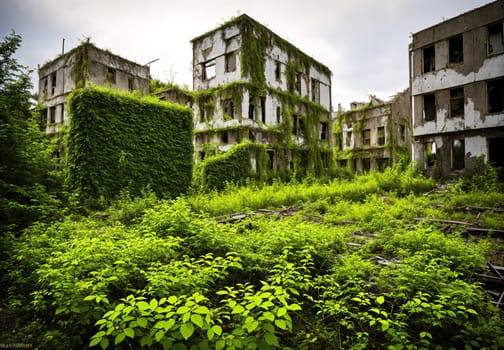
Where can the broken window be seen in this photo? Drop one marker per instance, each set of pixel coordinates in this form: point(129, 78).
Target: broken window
point(62, 112)
point(224, 137)
point(402, 133)
point(230, 60)
point(208, 70)
point(278, 114)
point(43, 118)
point(298, 83)
point(251, 111)
point(111, 75)
point(271, 157)
point(343, 163)
point(315, 90)
point(366, 164)
point(131, 84)
point(262, 100)
point(278, 70)
point(429, 104)
point(46, 83)
point(294, 120)
point(229, 108)
point(348, 140)
point(495, 90)
point(429, 59)
point(456, 49)
point(202, 155)
point(381, 135)
point(323, 130)
point(430, 153)
point(52, 115)
point(366, 137)
point(53, 83)
point(458, 154)
point(252, 135)
point(496, 38)
point(457, 102)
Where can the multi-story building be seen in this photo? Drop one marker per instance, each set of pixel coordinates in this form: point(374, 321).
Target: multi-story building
point(457, 88)
point(373, 135)
point(250, 84)
point(85, 63)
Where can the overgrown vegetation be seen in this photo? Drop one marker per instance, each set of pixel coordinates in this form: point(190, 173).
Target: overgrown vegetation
point(119, 142)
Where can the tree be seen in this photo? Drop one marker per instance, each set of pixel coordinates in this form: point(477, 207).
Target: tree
point(25, 159)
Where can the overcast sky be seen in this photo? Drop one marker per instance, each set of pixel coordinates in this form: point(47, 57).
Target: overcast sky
point(363, 42)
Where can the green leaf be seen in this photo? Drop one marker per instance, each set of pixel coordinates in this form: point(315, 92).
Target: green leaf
point(183, 310)
point(119, 338)
point(142, 322)
point(146, 340)
point(95, 341)
point(129, 332)
point(252, 326)
point(217, 329)
point(384, 325)
point(197, 320)
point(153, 304)
point(295, 307)
point(142, 305)
point(169, 324)
point(172, 299)
point(380, 300)
point(104, 343)
point(186, 330)
point(210, 334)
point(268, 316)
point(220, 344)
point(281, 312)
point(159, 335)
point(238, 309)
point(271, 339)
point(202, 310)
point(281, 324)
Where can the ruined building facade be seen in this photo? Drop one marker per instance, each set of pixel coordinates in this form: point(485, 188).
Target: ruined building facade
point(85, 63)
point(251, 85)
point(374, 135)
point(457, 88)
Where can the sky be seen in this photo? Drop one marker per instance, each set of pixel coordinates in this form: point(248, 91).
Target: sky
point(363, 42)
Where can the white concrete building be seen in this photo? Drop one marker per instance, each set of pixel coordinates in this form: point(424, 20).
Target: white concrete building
point(457, 88)
point(250, 84)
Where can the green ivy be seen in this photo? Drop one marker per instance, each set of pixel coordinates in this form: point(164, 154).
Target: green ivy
point(119, 142)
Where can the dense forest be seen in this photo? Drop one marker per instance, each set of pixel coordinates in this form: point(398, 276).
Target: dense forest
point(385, 260)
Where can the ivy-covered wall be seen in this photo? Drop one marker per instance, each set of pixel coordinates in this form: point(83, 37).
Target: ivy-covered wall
point(234, 166)
point(120, 142)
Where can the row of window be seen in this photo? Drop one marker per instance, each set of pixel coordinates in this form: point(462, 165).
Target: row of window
point(49, 115)
point(366, 137)
point(457, 154)
point(495, 45)
point(495, 94)
point(365, 163)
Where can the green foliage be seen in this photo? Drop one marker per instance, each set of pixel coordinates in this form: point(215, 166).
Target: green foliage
point(118, 142)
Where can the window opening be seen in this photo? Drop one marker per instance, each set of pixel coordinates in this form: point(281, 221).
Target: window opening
point(348, 139)
point(294, 119)
point(208, 70)
point(251, 111)
point(131, 84)
point(278, 114)
point(278, 70)
point(229, 108)
point(458, 154)
point(323, 130)
point(381, 135)
point(315, 89)
point(298, 83)
point(429, 56)
point(224, 137)
point(456, 49)
point(271, 157)
point(263, 108)
point(402, 131)
point(366, 164)
point(366, 137)
point(495, 90)
point(429, 107)
point(53, 83)
point(430, 153)
point(230, 60)
point(52, 115)
point(496, 38)
point(457, 102)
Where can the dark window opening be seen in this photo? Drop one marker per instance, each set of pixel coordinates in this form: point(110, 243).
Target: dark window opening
point(429, 107)
point(53, 83)
point(348, 140)
point(402, 131)
point(229, 109)
point(456, 49)
point(230, 60)
point(271, 157)
point(278, 70)
point(131, 84)
point(381, 135)
point(366, 137)
point(324, 130)
point(224, 137)
point(52, 115)
point(202, 114)
point(457, 102)
point(43, 118)
point(458, 154)
point(383, 163)
point(62, 112)
point(325, 160)
point(301, 131)
point(496, 38)
point(111, 75)
point(202, 155)
point(278, 114)
point(315, 90)
point(495, 96)
point(46, 83)
point(366, 164)
point(495, 155)
point(251, 111)
point(430, 153)
point(208, 70)
point(298, 83)
point(429, 56)
point(252, 135)
point(262, 100)
point(343, 163)
point(294, 120)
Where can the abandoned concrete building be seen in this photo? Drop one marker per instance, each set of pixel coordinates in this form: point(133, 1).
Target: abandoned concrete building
point(83, 64)
point(457, 88)
point(250, 84)
point(374, 135)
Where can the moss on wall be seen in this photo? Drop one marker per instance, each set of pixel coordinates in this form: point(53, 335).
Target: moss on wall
point(117, 141)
